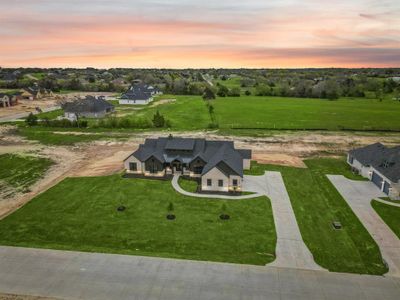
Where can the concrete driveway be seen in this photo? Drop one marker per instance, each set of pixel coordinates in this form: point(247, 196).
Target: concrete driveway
point(291, 252)
point(78, 275)
point(358, 194)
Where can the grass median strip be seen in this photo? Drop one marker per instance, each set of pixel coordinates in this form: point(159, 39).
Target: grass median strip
point(390, 215)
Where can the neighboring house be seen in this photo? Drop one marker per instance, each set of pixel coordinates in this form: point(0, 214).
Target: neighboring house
point(217, 163)
point(7, 100)
point(36, 92)
point(4, 100)
point(90, 107)
point(379, 164)
point(139, 94)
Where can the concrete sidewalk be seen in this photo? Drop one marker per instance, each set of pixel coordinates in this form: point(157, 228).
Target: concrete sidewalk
point(180, 190)
point(77, 275)
point(358, 194)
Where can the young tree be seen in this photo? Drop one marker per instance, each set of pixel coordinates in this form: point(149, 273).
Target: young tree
point(397, 94)
point(208, 94)
point(31, 120)
point(158, 120)
point(234, 92)
point(222, 91)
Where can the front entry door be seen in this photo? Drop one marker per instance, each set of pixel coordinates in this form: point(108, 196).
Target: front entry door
point(177, 166)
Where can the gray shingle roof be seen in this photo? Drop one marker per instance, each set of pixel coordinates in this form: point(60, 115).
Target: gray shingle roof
point(89, 104)
point(385, 160)
point(180, 144)
point(220, 154)
point(139, 92)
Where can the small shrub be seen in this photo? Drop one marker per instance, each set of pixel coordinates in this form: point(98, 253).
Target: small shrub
point(31, 120)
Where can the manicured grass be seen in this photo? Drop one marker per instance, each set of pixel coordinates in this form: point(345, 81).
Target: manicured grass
point(297, 113)
point(21, 172)
point(81, 214)
point(188, 185)
point(390, 214)
point(316, 204)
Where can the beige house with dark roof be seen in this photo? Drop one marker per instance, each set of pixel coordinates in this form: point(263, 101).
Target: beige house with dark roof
point(217, 164)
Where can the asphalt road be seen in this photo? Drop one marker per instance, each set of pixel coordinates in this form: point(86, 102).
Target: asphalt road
point(25, 114)
point(77, 275)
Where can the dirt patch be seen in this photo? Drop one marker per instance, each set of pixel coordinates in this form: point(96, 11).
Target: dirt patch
point(75, 133)
point(161, 102)
point(105, 158)
point(23, 297)
point(278, 159)
point(27, 106)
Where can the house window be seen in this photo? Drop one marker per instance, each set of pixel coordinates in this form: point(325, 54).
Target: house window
point(209, 182)
point(133, 166)
point(220, 183)
point(234, 181)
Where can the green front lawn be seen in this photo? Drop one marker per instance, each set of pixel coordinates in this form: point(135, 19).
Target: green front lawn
point(20, 172)
point(81, 214)
point(390, 214)
point(316, 204)
point(188, 184)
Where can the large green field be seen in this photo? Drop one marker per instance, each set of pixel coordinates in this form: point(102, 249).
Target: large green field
point(390, 214)
point(191, 112)
point(81, 214)
point(298, 113)
point(317, 204)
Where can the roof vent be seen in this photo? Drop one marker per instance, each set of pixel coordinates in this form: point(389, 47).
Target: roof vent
point(170, 137)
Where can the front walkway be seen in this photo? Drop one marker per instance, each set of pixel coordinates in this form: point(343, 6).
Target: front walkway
point(79, 275)
point(291, 252)
point(387, 202)
point(358, 194)
point(177, 187)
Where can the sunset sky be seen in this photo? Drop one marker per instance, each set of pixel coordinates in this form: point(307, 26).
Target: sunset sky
point(189, 33)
